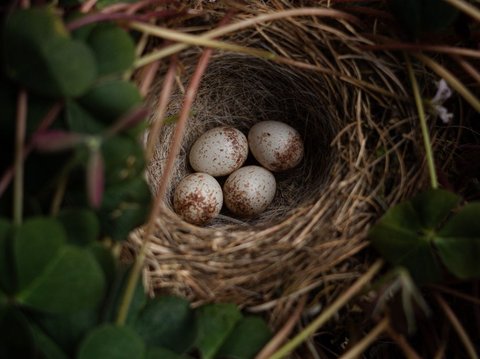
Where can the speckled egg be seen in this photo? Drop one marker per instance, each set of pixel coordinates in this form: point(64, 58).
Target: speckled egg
point(219, 151)
point(276, 145)
point(198, 198)
point(249, 190)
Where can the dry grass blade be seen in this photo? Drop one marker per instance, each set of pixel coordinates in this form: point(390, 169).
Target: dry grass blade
point(467, 8)
point(453, 81)
point(366, 341)
point(240, 25)
point(330, 311)
point(464, 337)
point(283, 333)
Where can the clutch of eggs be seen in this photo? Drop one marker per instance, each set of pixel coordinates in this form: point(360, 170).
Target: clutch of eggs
point(249, 190)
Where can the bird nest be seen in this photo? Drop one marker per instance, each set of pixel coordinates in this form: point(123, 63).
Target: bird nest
point(363, 153)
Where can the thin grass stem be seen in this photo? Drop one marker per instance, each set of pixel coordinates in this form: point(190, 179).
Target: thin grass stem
point(328, 312)
point(467, 342)
point(451, 80)
point(465, 7)
point(423, 124)
point(22, 104)
point(366, 341)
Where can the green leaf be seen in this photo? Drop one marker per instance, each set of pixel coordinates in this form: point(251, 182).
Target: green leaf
point(111, 342)
point(72, 281)
point(124, 208)
point(80, 120)
point(215, 323)
point(458, 242)
point(67, 330)
point(36, 244)
point(248, 337)
point(404, 235)
point(434, 206)
point(111, 99)
point(40, 55)
point(16, 338)
point(82, 225)
point(167, 322)
point(124, 159)
point(162, 353)
point(113, 47)
point(105, 259)
point(7, 273)
point(46, 345)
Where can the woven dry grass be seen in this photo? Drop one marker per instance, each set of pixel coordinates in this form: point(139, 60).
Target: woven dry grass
point(363, 154)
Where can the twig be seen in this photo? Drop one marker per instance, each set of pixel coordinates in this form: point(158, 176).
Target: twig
point(451, 79)
point(283, 333)
point(458, 327)
point(423, 123)
point(368, 339)
point(329, 311)
point(161, 109)
point(22, 103)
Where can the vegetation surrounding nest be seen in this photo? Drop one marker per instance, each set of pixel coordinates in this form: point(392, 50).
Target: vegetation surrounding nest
point(368, 85)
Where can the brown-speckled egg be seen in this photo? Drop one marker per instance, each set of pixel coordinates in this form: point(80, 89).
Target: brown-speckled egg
point(276, 145)
point(198, 198)
point(219, 151)
point(249, 190)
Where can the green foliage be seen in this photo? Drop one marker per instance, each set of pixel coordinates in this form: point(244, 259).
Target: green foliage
point(111, 342)
point(36, 244)
point(418, 16)
point(81, 225)
point(167, 322)
point(420, 236)
point(215, 323)
point(61, 283)
point(248, 337)
point(40, 55)
point(113, 47)
point(110, 99)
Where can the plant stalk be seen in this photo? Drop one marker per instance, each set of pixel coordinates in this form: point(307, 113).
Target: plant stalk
point(328, 312)
point(22, 103)
point(162, 186)
point(423, 124)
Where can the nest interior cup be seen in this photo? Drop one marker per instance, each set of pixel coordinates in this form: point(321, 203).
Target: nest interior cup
point(353, 111)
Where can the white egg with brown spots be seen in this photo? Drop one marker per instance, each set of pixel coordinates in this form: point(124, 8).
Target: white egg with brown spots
point(276, 145)
point(198, 198)
point(249, 191)
point(219, 151)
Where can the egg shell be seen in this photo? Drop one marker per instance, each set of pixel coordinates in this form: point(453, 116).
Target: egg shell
point(276, 145)
point(249, 190)
point(198, 198)
point(219, 151)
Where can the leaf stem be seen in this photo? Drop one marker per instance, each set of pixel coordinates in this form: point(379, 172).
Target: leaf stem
point(18, 162)
point(328, 312)
point(423, 123)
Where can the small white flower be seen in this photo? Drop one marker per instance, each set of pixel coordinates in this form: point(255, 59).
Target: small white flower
point(443, 94)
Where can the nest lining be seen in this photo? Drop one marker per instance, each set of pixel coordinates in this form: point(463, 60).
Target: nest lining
point(363, 154)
